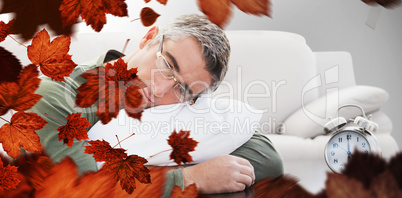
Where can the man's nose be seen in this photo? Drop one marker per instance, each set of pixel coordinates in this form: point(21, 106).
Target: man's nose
point(161, 86)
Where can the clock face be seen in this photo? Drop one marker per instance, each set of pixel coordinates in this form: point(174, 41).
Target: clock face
point(341, 147)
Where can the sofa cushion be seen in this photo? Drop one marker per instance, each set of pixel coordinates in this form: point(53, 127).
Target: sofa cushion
point(269, 70)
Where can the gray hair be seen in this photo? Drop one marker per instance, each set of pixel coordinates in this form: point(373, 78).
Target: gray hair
point(212, 39)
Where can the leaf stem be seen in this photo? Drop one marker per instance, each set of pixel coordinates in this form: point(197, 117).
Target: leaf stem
point(5, 120)
point(135, 19)
point(17, 41)
point(125, 46)
point(160, 153)
point(55, 118)
point(118, 141)
point(122, 140)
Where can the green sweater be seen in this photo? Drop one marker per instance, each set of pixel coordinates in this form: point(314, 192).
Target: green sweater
point(59, 101)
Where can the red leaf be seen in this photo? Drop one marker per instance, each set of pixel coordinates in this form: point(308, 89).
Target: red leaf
point(21, 132)
point(181, 145)
point(338, 185)
point(283, 186)
point(148, 16)
point(189, 192)
point(164, 2)
point(32, 14)
point(217, 11)
point(102, 151)
point(20, 95)
point(10, 66)
point(5, 29)
point(109, 85)
point(125, 170)
point(8, 177)
point(62, 181)
point(75, 128)
point(254, 7)
point(52, 56)
point(93, 12)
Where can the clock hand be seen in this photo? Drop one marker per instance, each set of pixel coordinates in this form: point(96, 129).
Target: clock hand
point(349, 153)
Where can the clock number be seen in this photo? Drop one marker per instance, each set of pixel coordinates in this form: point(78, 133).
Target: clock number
point(335, 145)
point(335, 161)
point(332, 153)
point(363, 144)
point(348, 137)
point(340, 140)
point(357, 139)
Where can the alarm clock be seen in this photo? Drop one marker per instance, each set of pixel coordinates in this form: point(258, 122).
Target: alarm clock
point(348, 137)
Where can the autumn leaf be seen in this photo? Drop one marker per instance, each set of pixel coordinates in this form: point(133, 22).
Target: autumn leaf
point(5, 29)
point(92, 12)
point(338, 185)
point(385, 3)
point(148, 16)
point(394, 166)
point(10, 66)
point(102, 151)
point(182, 145)
point(52, 56)
point(385, 185)
point(8, 177)
point(217, 11)
point(125, 170)
point(21, 132)
point(20, 95)
point(63, 181)
point(29, 15)
point(189, 192)
point(75, 128)
point(254, 7)
point(108, 85)
point(164, 2)
point(283, 186)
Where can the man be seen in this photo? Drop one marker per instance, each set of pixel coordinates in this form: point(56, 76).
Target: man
point(189, 55)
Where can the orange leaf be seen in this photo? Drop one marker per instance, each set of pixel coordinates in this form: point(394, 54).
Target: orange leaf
point(52, 56)
point(164, 2)
point(338, 185)
point(102, 151)
point(189, 192)
point(8, 177)
point(20, 95)
point(109, 85)
point(217, 11)
point(125, 170)
point(93, 12)
point(21, 132)
point(62, 181)
point(283, 186)
point(148, 16)
point(10, 66)
point(181, 145)
point(75, 128)
point(5, 29)
point(254, 7)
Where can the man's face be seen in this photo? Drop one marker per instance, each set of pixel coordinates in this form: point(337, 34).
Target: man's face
point(185, 58)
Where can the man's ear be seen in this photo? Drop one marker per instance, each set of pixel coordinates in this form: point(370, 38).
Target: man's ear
point(149, 36)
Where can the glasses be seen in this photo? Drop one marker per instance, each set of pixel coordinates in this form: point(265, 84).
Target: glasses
point(179, 89)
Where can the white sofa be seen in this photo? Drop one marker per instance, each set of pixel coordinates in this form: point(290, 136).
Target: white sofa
point(276, 72)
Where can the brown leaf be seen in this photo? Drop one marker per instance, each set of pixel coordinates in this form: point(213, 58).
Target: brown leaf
point(10, 66)
point(164, 2)
point(394, 167)
point(21, 132)
point(75, 128)
point(283, 186)
point(189, 192)
point(148, 16)
point(254, 7)
point(52, 56)
point(385, 185)
point(102, 151)
point(8, 177)
point(217, 11)
point(182, 145)
point(6, 29)
point(338, 185)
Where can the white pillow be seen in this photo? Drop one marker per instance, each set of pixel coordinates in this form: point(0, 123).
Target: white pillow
point(220, 127)
point(309, 120)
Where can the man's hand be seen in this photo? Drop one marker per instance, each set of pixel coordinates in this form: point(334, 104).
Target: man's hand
point(221, 174)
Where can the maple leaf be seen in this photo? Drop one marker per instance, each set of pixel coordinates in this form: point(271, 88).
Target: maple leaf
point(153, 189)
point(31, 14)
point(283, 186)
point(394, 166)
point(75, 128)
point(385, 185)
point(108, 85)
point(92, 12)
point(8, 177)
point(217, 11)
point(189, 192)
point(20, 95)
point(6, 29)
point(10, 66)
point(148, 16)
point(338, 185)
point(385, 3)
point(254, 7)
point(52, 56)
point(125, 170)
point(182, 145)
point(102, 151)
point(62, 181)
point(21, 132)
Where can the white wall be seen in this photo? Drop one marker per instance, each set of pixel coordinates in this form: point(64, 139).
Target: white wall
point(327, 25)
